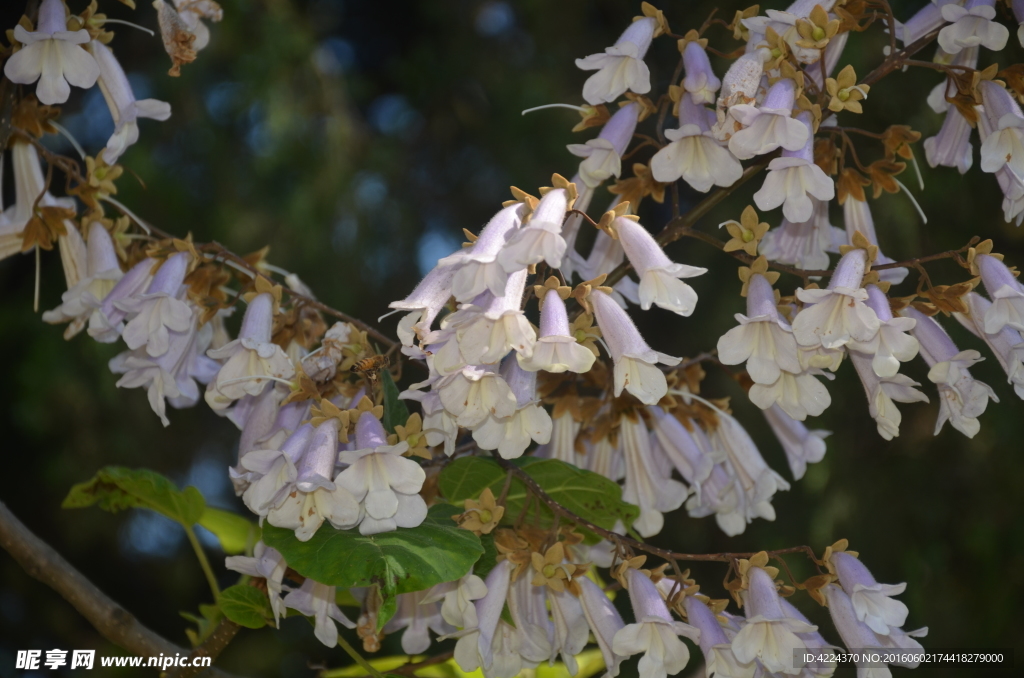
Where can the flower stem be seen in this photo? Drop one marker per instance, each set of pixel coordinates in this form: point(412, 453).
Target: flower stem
point(203, 562)
point(358, 658)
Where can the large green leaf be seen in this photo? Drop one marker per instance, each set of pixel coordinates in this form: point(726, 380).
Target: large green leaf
point(116, 488)
point(587, 494)
point(395, 411)
point(405, 560)
point(236, 533)
point(246, 606)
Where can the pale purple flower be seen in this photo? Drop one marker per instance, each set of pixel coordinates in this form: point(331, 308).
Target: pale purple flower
point(269, 564)
point(604, 621)
point(700, 81)
point(882, 392)
point(110, 319)
point(475, 647)
point(621, 66)
point(272, 471)
point(635, 362)
point(694, 154)
point(858, 219)
point(317, 495)
point(511, 435)
point(540, 238)
point(802, 446)
point(962, 398)
point(770, 125)
point(769, 635)
point(476, 267)
point(654, 633)
point(1007, 345)
point(124, 108)
point(53, 55)
point(160, 311)
point(655, 493)
point(805, 244)
point(1007, 308)
point(457, 607)
point(873, 603)
point(29, 187)
point(971, 25)
point(317, 600)
point(602, 156)
point(82, 301)
point(792, 179)
point(838, 315)
point(1004, 145)
point(719, 658)
point(757, 480)
point(381, 480)
point(418, 618)
point(251, 361)
point(474, 393)
point(660, 282)
point(556, 350)
point(424, 303)
point(891, 345)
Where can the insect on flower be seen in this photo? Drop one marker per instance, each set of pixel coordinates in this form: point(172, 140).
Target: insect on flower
point(369, 368)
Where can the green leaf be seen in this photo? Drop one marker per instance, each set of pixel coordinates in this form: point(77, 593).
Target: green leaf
point(395, 411)
point(236, 533)
point(587, 494)
point(116, 488)
point(246, 606)
point(405, 560)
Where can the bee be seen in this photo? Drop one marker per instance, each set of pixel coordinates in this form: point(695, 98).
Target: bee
point(370, 367)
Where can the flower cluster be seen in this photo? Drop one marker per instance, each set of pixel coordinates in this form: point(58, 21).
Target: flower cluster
point(583, 386)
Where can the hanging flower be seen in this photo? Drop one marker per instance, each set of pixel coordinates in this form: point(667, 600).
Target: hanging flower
point(694, 154)
point(660, 282)
point(385, 483)
point(621, 66)
point(53, 55)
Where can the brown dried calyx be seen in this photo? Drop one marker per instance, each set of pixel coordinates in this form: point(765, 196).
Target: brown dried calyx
point(177, 37)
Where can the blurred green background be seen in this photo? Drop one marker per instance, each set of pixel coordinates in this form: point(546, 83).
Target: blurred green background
point(357, 139)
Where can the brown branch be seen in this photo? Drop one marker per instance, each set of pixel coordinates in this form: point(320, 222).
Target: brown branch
point(211, 647)
point(112, 621)
point(537, 491)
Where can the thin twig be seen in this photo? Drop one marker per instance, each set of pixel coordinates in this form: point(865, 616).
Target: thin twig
point(538, 492)
point(112, 621)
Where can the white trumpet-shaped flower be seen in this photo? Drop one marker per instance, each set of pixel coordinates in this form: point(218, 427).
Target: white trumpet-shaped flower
point(511, 435)
point(315, 497)
point(802, 446)
point(891, 345)
point(1007, 308)
point(837, 315)
point(541, 238)
point(654, 633)
point(621, 66)
point(53, 55)
point(694, 154)
point(556, 350)
point(82, 301)
point(971, 25)
point(602, 156)
point(251, 360)
point(660, 282)
point(635, 362)
point(873, 602)
point(769, 635)
point(476, 268)
point(655, 493)
point(318, 601)
point(269, 564)
point(1007, 345)
point(160, 311)
point(770, 125)
point(792, 179)
point(385, 483)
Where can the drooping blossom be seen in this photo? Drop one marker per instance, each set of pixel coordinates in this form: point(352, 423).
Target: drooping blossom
point(556, 350)
point(602, 156)
point(770, 125)
point(81, 302)
point(660, 282)
point(53, 55)
point(769, 635)
point(837, 315)
point(694, 154)
point(541, 238)
point(792, 180)
point(620, 67)
point(317, 600)
point(476, 267)
point(654, 633)
point(385, 483)
point(511, 435)
point(635, 362)
point(266, 563)
point(655, 493)
point(250, 360)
